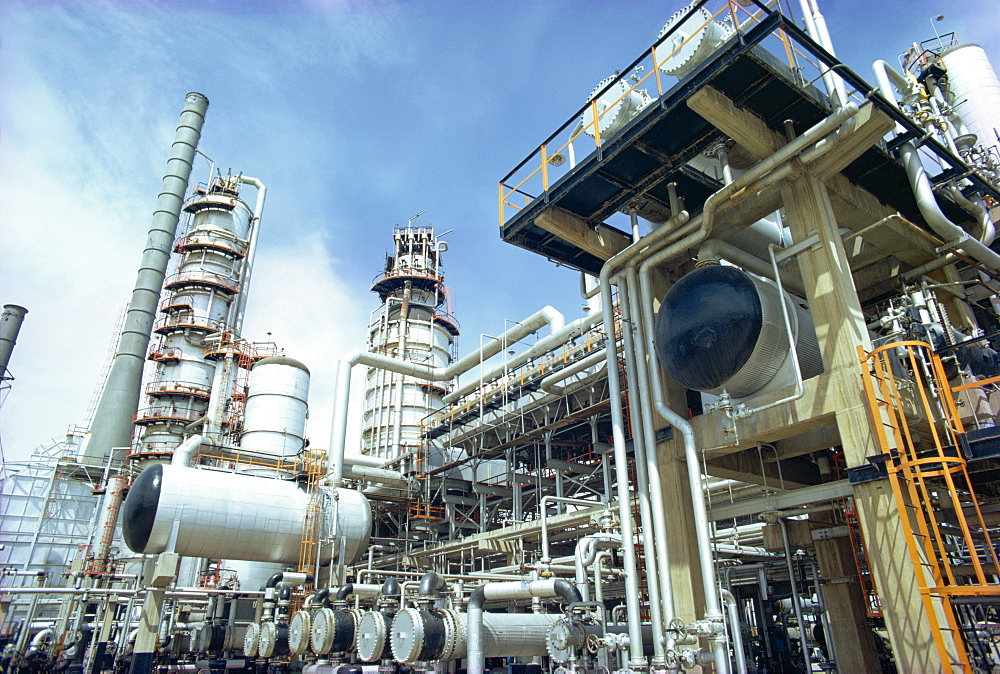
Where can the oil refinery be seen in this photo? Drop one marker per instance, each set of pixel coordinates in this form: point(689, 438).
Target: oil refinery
point(769, 443)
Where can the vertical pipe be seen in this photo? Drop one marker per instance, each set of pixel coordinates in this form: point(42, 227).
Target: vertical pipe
point(796, 604)
point(10, 325)
point(238, 307)
point(112, 425)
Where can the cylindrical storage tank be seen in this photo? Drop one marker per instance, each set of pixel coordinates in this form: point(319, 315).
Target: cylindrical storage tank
point(227, 516)
point(694, 40)
point(975, 90)
point(373, 636)
point(274, 421)
point(722, 329)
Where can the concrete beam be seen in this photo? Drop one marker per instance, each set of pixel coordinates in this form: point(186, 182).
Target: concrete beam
point(602, 243)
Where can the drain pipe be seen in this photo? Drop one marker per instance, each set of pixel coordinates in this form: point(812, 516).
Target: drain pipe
point(954, 236)
point(185, 451)
point(246, 269)
point(475, 654)
point(338, 435)
point(734, 627)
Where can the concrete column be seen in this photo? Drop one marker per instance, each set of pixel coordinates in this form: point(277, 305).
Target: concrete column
point(845, 604)
point(840, 328)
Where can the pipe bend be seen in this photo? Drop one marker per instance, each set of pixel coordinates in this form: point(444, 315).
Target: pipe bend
point(343, 592)
point(391, 588)
point(567, 591)
point(431, 585)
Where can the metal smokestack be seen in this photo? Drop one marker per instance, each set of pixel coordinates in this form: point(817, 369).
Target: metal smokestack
point(112, 425)
point(10, 325)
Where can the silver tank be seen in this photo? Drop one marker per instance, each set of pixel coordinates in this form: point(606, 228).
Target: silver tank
point(274, 420)
point(975, 90)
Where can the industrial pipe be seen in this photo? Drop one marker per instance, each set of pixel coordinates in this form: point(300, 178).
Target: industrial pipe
point(431, 585)
point(238, 308)
point(10, 325)
point(954, 236)
point(714, 250)
point(586, 554)
point(112, 424)
point(475, 655)
point(338, 435)
point(559, 499)
point(550, 383)
point(358, 590)
point(185, 451)
point(734, 629)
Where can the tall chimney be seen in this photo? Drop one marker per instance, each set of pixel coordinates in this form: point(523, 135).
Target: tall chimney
point(10, 325)
point(112, 424)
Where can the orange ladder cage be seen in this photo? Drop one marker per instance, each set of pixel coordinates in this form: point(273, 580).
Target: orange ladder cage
point(918, 426)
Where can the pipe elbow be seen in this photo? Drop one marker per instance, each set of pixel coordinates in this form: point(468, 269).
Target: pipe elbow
point(567, 591)
point(275, 579)
point(477, 599)
point(344, 591)
point(390, 588)
point(431, 585)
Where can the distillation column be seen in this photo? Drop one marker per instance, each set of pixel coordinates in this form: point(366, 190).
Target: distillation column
point(413, 323)
point(201, 296)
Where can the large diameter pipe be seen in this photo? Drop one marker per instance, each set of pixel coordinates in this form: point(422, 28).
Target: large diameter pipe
point(338, 432)
point(954, 236)
point(238, 308)
point(10, 325)
point(112, 425)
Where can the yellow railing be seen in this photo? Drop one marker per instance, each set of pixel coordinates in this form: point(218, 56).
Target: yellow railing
point(546, 164)
point(918, 426)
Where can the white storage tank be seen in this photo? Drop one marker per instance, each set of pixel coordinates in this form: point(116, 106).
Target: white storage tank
point(975, 90)
point(222, 515)
point(274, 420)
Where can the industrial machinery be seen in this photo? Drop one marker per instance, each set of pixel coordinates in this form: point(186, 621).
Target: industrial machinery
point(769, 445)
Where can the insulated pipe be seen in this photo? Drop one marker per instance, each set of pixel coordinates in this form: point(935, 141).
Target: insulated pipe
point(393, 478)
point(112, 424)
point(717, 249)
point(238, 308)
point(475, 654)
point(985, 221)
point(953, 235)
point(649, 490)
point(338, 435)
point(548, 384)
point(10, 325)
point(545, 528)
point(796, 603)
point(185, 451)
point(542, 346)
point(734, 629)
point(816, 24)
point(431, 585)
point(39, 638)
point(586, 553)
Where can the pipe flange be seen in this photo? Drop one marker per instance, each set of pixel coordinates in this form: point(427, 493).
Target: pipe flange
point(322, 633)
point(267, 640)
point(563, 639)
point(250, 640)
point(455, 641)
point(371, 636)
point(407, 639)
point(356, 617)
point(299, 632)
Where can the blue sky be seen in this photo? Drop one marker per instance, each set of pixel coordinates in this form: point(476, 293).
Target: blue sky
point(356, 115)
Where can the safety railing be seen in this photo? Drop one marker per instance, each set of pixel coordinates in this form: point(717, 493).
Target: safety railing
point(183, 321)
point(528, 373)
point(197, 240)
point(806, 61)
point(202, 277)
point(178, 388)
point(954, 558)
